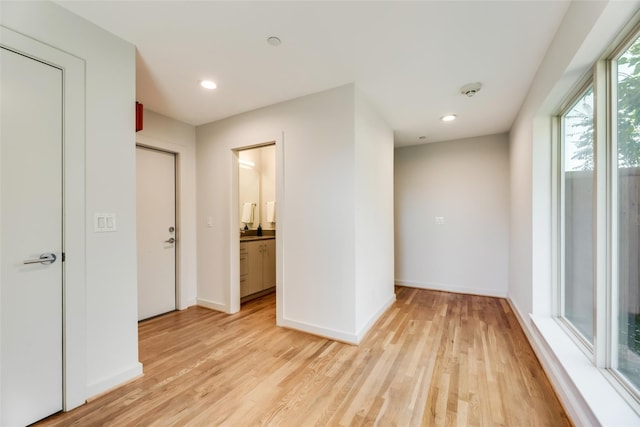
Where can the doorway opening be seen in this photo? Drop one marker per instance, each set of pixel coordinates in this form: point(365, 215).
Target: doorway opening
point(256, 221)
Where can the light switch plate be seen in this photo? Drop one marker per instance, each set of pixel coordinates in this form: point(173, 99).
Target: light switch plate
point(104, 222)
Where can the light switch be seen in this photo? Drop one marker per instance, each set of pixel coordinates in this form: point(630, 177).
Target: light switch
point(104, 222)
point(209, 222)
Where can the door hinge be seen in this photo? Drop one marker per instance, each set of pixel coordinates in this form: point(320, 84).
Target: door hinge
point(63, 257)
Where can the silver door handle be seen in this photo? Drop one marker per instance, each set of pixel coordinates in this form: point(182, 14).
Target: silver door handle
point(171, 240)
point(49, 258)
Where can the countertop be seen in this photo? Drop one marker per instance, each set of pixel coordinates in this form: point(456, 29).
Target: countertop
point(253, 238)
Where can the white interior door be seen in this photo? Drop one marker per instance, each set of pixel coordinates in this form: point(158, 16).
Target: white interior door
point(31, 227)
point(156, 220)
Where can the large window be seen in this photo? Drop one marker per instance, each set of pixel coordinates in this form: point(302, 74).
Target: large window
point(577, 216)
point(627, 167)
point(599, 215)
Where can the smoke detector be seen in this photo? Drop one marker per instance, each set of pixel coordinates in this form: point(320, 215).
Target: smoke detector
point(471, 89)
point(274, 41)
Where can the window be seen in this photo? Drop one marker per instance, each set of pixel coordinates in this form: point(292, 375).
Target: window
point(577, 216)
point(598, 234)
point(627, 169)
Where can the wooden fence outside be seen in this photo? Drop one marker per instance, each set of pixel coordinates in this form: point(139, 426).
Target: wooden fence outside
point(579, 236)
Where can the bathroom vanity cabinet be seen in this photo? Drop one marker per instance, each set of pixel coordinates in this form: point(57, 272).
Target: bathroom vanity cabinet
point(257, 267)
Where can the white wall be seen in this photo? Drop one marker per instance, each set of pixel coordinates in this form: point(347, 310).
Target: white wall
point(467, 183)
point(373, 214)
point(315, 158)
point(111, 292)
point(177, 137)
point(563, 66)
point(587, 30)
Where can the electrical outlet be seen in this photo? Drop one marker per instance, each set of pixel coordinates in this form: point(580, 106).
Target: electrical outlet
point(439, 220)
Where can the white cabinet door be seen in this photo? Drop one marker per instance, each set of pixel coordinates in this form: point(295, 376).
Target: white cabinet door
point(31, 225)
point(244, 270)
point(259, 270)
point(255, 267)
point(269, 264)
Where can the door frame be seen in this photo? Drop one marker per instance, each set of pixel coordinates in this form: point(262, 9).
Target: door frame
point(176, 209)
point(183, 300)
point(74, 369)
point(233, 301)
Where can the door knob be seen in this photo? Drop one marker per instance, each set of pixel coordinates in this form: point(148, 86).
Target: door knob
point(46, 258)
point(171, 240)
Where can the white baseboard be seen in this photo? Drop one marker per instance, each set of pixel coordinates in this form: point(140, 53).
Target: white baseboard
point(499, 293)
point(574, 405)
point(186, 304)
point(587, 396)
point(341, 336)
point(332, 334)
point(375, 317)
point(212, 305)
point(114, 381)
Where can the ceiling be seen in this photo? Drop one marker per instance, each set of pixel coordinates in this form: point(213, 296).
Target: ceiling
point(409, 58)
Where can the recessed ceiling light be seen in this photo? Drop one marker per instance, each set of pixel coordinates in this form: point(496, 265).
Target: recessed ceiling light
point(448, 117)
point(208, 84)
point(274, 41)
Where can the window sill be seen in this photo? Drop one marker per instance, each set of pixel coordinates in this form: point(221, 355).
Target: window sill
point(589, 398)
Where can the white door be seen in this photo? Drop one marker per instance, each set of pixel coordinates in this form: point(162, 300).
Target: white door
point(31, 228)
point(156, 213)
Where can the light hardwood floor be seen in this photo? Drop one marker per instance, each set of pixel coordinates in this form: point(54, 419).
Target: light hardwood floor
point(433, 359)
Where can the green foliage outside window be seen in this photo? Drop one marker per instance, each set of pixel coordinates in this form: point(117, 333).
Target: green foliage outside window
point(629, 107)
point(628, 116)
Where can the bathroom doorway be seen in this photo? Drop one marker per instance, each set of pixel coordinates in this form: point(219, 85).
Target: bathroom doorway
point(257, 222)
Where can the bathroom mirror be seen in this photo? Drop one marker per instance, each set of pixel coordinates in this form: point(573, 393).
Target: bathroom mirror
point(256, 187)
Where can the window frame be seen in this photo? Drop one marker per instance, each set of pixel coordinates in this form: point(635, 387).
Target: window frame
point(603, 351)
point(586, 83)
point(628, 390)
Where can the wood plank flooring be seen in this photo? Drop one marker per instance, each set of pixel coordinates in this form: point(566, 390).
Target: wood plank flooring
point(433, 359)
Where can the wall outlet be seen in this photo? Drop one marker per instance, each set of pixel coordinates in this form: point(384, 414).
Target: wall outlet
point(439, 220)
